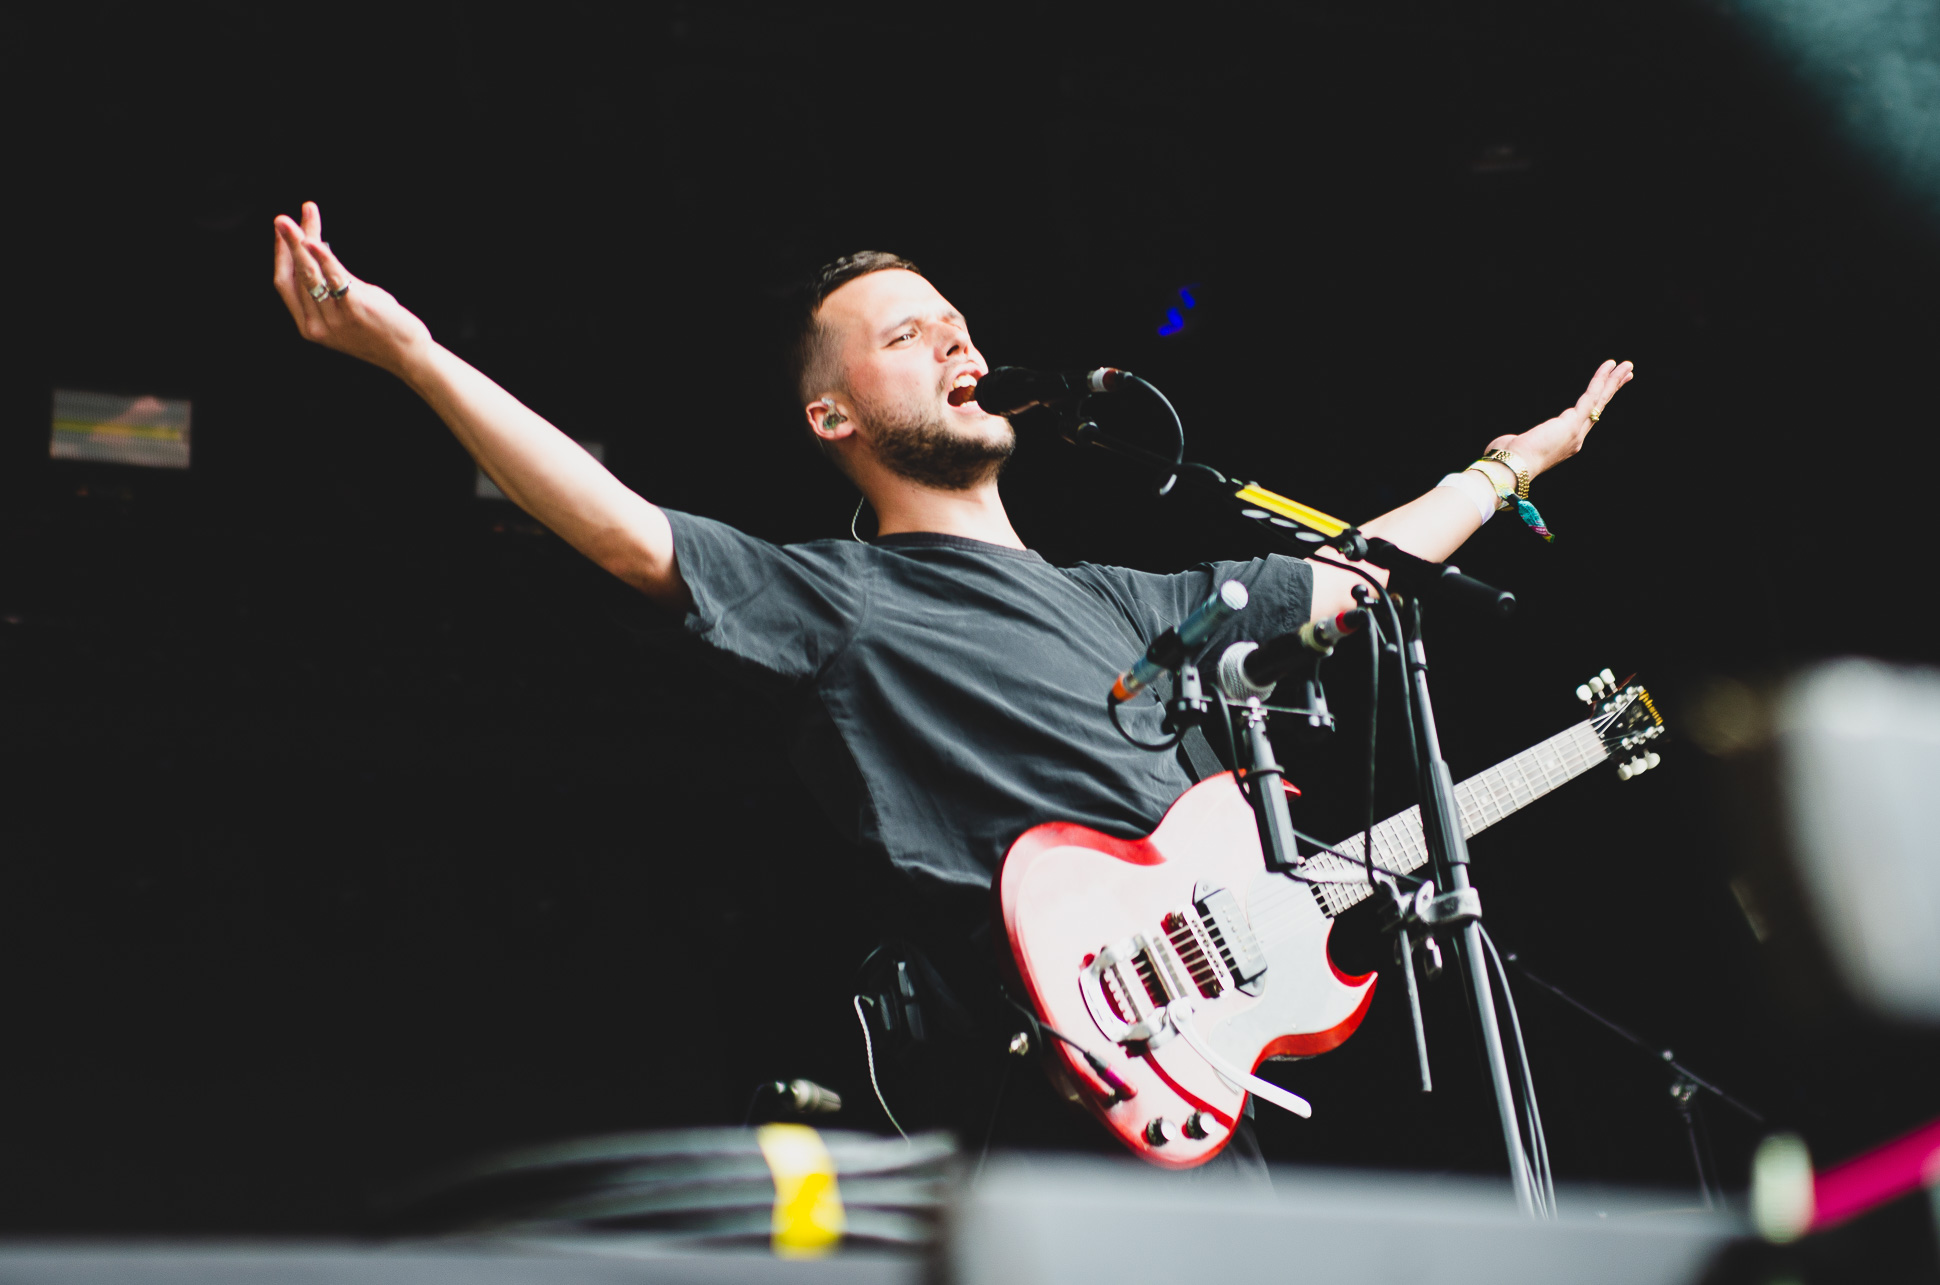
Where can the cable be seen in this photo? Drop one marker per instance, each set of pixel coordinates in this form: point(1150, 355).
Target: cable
point(747, 1117)
point(1111, 707)
point(1386, 601)
point(1121, 1091)
point(1373, 727)
point(869, 1051)
point(1324, 849)
point(1539, 1142)
point(1178, 428)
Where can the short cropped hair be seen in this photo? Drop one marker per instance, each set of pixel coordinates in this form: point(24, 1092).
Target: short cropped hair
point(810, 356)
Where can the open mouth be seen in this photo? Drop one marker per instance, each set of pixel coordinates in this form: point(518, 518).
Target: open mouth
point(964, 391)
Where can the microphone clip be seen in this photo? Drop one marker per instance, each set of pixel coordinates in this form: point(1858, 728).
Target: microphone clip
point(1189, 706)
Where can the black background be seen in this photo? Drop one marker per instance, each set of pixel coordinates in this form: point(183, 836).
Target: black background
point(350, 825)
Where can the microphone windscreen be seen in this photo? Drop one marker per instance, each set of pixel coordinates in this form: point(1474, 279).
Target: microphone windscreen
point(1004, 390)
point(1009, 389)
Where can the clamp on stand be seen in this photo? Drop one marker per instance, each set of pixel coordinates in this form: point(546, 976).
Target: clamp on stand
point(1416, 919)
point(1262, 777)
point(1189, 706)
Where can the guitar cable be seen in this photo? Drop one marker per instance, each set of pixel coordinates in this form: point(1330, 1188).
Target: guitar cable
point(869, 1052)
point(1545, 1181)
point(1121, 1091)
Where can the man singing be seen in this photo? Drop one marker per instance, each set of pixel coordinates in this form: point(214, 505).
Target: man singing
point(947, 682)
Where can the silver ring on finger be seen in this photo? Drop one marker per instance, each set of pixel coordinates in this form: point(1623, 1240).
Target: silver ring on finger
point(319, 292)
point(340, 291)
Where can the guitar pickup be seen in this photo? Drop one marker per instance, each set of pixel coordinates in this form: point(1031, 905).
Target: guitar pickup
point(1232, 936)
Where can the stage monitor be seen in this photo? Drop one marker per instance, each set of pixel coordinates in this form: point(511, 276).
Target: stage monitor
point(109, 428)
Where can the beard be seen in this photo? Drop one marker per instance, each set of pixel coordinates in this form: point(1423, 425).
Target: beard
point(923, 447)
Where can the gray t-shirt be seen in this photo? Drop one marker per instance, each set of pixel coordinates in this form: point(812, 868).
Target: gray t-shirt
point(949, 694)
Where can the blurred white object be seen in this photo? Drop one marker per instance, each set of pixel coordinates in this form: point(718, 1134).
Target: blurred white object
point(1859, 772)
point(108, 428)
point(1781, 1188)
point(1063, 1220)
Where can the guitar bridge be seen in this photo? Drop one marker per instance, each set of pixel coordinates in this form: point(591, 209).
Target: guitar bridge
point(1127, 988)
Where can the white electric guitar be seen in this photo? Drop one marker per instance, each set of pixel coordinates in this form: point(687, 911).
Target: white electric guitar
point(1174, 965)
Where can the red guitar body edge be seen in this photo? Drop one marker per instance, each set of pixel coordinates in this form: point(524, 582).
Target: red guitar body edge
point(1067, 892)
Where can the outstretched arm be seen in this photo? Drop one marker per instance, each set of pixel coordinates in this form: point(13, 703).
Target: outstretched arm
point(538, 467)
point(1436, 524)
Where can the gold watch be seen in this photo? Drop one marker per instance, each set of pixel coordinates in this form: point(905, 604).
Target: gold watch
point(1515, 465)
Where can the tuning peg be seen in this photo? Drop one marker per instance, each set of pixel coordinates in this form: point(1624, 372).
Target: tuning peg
point(1609, 679)
point(1637, 766)
point(1584, 694)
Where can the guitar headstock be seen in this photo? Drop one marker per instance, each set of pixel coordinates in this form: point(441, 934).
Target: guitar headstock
point(1627, 720)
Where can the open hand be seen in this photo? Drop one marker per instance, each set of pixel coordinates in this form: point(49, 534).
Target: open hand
point(1555, 440)
point(335, 309)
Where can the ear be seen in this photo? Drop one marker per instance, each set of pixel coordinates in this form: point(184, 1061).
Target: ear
point(827, 420)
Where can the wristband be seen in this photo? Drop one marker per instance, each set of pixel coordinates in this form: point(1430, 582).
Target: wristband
point(1459, 482)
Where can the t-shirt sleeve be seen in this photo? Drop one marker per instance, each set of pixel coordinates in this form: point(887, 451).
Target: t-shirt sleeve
point(786, 610)
point(1280, 594)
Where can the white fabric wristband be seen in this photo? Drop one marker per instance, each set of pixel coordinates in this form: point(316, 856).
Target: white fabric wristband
point(1480, 493)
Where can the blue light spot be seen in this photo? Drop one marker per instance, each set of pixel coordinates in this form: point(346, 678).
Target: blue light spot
point(1174, 323)
point(1185, 296)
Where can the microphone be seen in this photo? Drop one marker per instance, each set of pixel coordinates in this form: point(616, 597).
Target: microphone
point(1180, 641)
point(1248, 670)
point(1009, 390)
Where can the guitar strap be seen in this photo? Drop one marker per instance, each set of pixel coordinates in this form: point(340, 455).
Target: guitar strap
point(1196, 755)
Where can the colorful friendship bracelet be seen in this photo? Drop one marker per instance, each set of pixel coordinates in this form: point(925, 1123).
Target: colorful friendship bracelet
point(1524, 509)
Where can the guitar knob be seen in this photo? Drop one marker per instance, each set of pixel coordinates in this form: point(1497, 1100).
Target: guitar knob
point(1651, 759)
point(1199, 1126)
point(1159, 1131)
point(1609, 679)
point(1584, 694)
point(1623, 772)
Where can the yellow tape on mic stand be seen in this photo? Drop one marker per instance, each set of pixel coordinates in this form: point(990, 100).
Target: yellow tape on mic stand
point(808, 1207)
point(1292, 510)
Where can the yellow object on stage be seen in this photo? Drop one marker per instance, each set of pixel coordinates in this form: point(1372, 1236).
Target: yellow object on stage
point(808, 1207)
point(1292, 510)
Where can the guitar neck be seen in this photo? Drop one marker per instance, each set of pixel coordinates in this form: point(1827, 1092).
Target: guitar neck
point(1483, 800)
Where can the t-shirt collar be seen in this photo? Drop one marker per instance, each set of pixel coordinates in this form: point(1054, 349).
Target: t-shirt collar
point(938, 540)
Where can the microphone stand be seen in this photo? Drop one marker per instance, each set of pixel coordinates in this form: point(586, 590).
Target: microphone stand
point(1684, 1086)
point(1459, 908)
point(1461, 905)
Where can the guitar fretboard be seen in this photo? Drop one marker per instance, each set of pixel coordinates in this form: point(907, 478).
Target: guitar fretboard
point(1483, 800)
